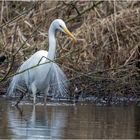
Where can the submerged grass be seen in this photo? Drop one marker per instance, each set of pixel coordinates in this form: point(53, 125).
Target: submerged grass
point(105, 59)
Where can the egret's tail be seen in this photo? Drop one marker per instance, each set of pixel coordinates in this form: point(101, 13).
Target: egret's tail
point(15, 84)
point(58, 81)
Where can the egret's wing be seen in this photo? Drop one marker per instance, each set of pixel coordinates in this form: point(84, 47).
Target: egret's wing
point(21, 81)
point(58, 81)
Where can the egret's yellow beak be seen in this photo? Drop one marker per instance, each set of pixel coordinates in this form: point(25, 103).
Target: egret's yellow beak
point(70, 34)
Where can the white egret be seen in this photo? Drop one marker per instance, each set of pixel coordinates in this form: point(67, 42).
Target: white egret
point(40, 78)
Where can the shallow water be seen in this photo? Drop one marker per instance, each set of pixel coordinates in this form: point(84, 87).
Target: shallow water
point(61, 120)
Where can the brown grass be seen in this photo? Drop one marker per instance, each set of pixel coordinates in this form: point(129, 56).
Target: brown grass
point(106, 58)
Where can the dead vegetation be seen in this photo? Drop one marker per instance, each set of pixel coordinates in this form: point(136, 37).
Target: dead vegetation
point(105, 59)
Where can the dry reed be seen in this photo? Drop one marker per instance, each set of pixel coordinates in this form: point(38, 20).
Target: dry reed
point(104, 61)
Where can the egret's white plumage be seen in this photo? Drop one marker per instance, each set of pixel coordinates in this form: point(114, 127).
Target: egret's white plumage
point(42, 77)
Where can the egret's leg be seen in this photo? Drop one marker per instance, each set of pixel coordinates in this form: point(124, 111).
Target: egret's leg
point(21, 97)
point(45, 95)
point(33, 87)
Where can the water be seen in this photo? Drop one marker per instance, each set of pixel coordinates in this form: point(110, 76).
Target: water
point(61, 120)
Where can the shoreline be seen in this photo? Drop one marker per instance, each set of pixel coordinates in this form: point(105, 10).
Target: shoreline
point(91, 99)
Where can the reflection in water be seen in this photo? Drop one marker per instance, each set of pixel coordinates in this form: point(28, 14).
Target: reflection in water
point(36, 122)
point(69, 121)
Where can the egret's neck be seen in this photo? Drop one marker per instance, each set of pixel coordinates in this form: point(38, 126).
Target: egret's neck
point(52, 43)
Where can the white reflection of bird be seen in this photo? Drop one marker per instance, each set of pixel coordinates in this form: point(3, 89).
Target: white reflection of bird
point(40, 78)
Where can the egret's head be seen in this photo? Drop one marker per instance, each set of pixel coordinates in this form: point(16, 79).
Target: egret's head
point(60, 25)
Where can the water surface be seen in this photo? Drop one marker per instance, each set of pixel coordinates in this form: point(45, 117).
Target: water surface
point(63, 120)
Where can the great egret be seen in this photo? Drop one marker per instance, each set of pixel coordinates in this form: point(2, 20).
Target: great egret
point(40, 78)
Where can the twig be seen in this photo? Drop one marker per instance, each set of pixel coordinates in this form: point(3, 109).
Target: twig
point(133, 52)
point(2, 9)
point(6, 76)
point(13, 56)
point(84, 11)
point(19, 16)
point(74, 6)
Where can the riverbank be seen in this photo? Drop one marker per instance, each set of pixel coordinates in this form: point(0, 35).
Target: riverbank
point(103, 63)
point(83, 99)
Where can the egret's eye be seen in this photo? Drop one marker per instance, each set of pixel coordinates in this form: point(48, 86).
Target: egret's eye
point(60, 26)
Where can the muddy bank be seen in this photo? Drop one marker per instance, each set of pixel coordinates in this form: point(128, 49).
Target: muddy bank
point(107, 100)
point(112, 100)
